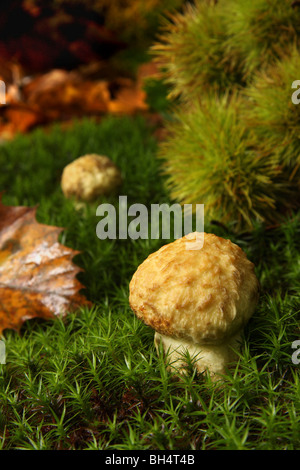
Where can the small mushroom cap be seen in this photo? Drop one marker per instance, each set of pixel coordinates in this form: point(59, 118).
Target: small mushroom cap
point(90, 176)
point(204, 296)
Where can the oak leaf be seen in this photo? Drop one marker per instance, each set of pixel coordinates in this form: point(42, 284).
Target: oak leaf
point(37, 273)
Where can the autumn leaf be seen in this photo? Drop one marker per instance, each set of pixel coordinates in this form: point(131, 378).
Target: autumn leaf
point(129, 98)
point(37, 274)
point(60, 95)
point(22, 118)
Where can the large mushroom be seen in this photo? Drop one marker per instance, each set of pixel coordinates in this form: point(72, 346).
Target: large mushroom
point(88, 177)
point(197, 301)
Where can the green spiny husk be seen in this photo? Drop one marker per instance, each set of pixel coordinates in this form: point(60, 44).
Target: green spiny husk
point(219, 45)
point(240, 156)
point(212, 157)
point(191, 51)
point(260, 30)
point(273, 115)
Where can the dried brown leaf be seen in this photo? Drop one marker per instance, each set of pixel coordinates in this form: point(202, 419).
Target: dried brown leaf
point(37, 274)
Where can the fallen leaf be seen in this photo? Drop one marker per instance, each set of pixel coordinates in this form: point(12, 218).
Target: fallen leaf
point(22, 118)
point(56, 93)
point(95, 96)
point(60, 95)
point(37, 274)
point(45, 83)
point(129, 99)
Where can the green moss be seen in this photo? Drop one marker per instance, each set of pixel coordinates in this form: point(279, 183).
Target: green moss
point(94, 380)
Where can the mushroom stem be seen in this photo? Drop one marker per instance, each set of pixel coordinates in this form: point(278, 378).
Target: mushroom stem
point(212, 357)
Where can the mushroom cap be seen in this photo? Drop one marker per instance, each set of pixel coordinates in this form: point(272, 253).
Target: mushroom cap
point(90, 176)
point(204, 296)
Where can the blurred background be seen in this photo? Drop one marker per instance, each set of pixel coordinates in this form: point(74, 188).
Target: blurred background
point(66, 58)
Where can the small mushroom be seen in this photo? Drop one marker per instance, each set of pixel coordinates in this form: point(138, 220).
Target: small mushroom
point(197, 300)
point(88, 177)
